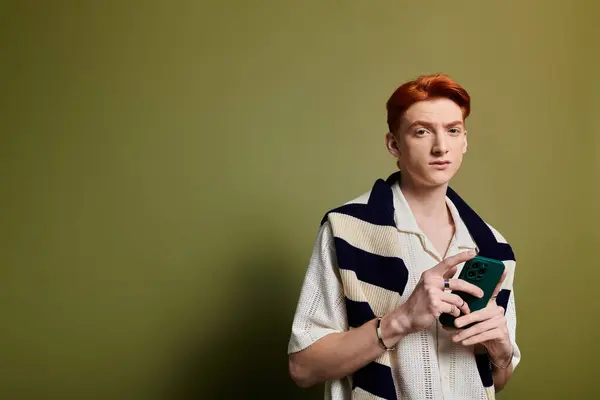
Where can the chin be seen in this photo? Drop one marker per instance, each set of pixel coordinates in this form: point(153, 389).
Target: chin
point(439, 179)
point(431, 179)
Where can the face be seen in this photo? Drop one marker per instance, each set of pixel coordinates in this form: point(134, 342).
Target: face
point(430, 142)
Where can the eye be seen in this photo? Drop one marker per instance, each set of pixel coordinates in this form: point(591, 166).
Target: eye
point(421, 132)
point(454, 131)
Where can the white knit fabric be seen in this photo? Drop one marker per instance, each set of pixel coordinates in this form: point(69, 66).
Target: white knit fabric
point(426, 365)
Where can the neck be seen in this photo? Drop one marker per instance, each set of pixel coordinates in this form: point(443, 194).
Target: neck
point(427, 203)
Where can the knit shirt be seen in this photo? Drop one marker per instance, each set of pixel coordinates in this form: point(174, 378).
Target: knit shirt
point(339, 293)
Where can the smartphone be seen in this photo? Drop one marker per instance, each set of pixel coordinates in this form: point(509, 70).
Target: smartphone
point(482, 272)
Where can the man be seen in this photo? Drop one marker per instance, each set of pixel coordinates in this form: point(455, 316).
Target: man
point(384, 264)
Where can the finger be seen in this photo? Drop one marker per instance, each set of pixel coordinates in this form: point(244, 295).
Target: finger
point(476, 329)
point(450, 329)
point(449, 308)
point(486, 313)
point(499, 285)
point(459, 285)
point(451, 272)
point(492, 334)
point(456, 300)
point(453, 261)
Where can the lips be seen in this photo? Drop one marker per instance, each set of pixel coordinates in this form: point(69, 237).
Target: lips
point(440, 165)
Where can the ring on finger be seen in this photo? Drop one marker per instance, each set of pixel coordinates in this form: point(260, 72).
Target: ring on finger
point(446, 284)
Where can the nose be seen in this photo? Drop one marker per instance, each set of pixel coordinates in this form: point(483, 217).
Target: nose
point(440, 146)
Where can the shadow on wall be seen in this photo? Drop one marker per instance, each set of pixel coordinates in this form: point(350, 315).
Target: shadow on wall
point(247, 356)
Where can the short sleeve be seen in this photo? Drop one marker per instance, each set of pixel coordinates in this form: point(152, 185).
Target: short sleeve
point(321, 309)
point(511, 308)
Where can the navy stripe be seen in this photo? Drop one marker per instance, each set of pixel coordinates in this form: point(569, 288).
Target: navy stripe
point(379, 210)
point(485, 369)
point(381, 201)
point(387, 272)
point(359, 312)
point(393, 178)
point(481, 232)
point(362, 212)
point(502, 299)
point(376, 379)
point(501, 251)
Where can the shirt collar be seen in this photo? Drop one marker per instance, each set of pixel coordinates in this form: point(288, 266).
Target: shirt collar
point(406, 221)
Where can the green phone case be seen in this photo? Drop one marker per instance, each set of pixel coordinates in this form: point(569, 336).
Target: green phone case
point(482, 272)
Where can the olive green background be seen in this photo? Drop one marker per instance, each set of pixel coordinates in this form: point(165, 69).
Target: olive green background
point(164, 167)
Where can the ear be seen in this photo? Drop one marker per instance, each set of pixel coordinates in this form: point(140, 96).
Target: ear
point(465, 144)
point(392, 145)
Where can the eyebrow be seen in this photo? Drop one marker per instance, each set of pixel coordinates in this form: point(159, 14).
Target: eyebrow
point(426, 123)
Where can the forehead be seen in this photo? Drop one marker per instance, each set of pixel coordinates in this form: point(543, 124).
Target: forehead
point(434, 111)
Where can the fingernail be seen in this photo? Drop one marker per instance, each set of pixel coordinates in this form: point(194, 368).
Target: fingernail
point(471, 252)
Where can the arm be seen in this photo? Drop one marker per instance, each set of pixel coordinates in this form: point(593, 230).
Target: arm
point(502, 376)
point(496, 328)
point(341, 354)
point(322, 348)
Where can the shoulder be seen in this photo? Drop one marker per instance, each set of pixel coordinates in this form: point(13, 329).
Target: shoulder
point(347, 206)
point(362, 199)
point(509, 264)
point(378, 194)
point(499, 237)
point(325, 234)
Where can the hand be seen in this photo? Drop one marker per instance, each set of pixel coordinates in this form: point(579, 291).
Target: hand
point(429, 299)
point(489, 329)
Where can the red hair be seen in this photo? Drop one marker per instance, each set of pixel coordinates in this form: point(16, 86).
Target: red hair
point(425, 87)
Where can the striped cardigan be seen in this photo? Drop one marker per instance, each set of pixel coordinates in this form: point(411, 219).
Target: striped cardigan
point(369, 254)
